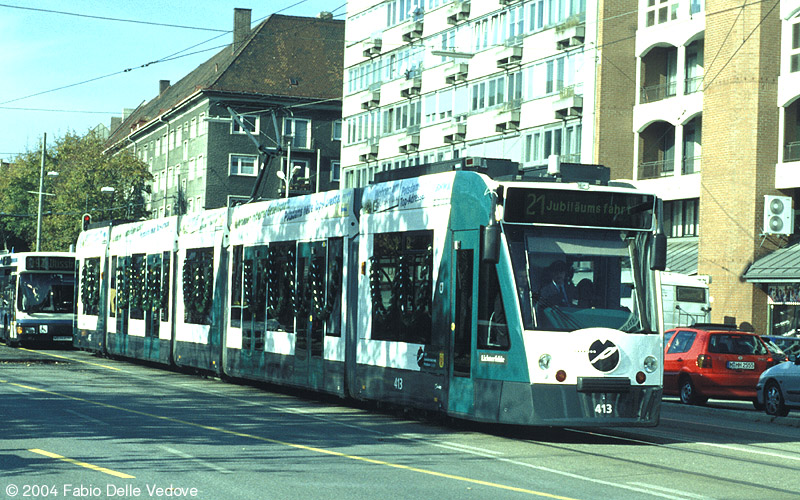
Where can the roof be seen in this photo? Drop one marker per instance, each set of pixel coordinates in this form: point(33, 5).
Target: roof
point(779, 266)
point(284, 56)
point(682, 255)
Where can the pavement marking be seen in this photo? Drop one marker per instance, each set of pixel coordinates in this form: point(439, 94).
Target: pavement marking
point(313, 449)
point(192, 458)
point(82, 464)
point(681, 494)
point(70, 359)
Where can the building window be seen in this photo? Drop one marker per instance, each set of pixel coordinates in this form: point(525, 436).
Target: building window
point(296, 132)
point(794, 61)
point(335, 170)
point(681, 217)
point(193, 129)
point(202, 124)
point(336, 132)
point(243, 165)
point(250, 122)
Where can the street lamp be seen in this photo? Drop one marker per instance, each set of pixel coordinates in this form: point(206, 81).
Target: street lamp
point(42, 193)
point(282, 176)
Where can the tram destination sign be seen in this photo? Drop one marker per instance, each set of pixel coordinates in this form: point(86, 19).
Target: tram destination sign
point(579, 208)
point(50, 263)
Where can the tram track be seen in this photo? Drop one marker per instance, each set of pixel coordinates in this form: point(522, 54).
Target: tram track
point(479, 440)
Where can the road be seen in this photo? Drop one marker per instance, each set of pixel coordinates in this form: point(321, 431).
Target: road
point(73, 425)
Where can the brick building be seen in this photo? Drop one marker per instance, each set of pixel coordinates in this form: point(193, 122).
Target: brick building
point(283, 80)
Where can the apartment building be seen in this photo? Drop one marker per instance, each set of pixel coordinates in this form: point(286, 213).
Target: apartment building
point(433, 80)
point(695, 100)
point(206, 136)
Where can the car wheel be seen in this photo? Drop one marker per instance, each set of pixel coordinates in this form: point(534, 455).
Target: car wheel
point(773, 400)
point(688, 393)
point(758, 406)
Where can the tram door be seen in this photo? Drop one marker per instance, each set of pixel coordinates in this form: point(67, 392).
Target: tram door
point(465, 257)
point(309, 326)
point(152, 306)
point(254, 300)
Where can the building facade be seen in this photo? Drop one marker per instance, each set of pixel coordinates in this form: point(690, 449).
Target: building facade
point(695, 100)
point(277, 87)
point(432, 80)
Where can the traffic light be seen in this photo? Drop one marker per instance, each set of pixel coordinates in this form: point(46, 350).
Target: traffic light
point(87, 219)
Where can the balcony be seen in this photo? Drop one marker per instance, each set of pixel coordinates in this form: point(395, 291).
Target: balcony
point(411, 87)
point(409, 144)
point(371, 47)
point(509, 57)
point(412, 32)
point(568, 106)
point(455, 132)
point(368, 152)
point(456, 72)
point(570, 35)
point(656, 169)
point(692, 85)
point(371, 100)
point(458, 12)
point(658, 92)
point(691, 165)
point(507, 119)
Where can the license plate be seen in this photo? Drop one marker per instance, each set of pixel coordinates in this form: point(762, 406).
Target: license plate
point(62, 339)
point(741, 365)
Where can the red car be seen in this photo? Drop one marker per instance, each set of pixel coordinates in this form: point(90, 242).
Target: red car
point(713, 361)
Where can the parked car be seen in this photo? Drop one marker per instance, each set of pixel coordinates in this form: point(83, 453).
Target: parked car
point(775, 350)
point(713, 361)
point(789, 345)
point(778, 388)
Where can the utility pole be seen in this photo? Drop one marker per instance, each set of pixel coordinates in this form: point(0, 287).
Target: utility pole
point(41, 188)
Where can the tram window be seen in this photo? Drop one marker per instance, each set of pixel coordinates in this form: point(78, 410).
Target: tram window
point(492, 325)
point(198, 285)
point(90, 286)
point(332, 311)
point(401, 280)
point(112, 288)
point(165, 275)
point(236, 286)
point(281, 286)
point(137, 286)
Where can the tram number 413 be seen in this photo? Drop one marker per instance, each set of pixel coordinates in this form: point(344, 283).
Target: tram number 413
point(398, 383)
point(604, 408)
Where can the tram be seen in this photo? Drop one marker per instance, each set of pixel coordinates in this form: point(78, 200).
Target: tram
point(477, 291)
point(38, 290)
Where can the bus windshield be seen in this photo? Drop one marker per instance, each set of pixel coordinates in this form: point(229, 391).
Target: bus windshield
point(572, 278)
point(46, 292)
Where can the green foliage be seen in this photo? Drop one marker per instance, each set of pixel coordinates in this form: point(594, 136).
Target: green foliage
point(83, 170)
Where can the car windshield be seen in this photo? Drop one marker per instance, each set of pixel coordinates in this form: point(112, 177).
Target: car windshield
point(731, 343)
point(570, 278)
point(46, 292)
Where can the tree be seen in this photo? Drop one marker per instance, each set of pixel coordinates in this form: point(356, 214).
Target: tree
point(83, 170)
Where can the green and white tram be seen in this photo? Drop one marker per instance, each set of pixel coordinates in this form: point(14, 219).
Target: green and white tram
point(515, 300)
point(38, 296)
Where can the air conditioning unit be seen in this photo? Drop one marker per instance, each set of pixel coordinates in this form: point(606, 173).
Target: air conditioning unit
point(369, 152)
point(455, 132)
point(778, 215)
point(570, 36)
point(567, 107)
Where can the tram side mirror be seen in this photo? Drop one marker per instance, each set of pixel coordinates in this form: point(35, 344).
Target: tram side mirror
point(490, 253)
point(658, 252)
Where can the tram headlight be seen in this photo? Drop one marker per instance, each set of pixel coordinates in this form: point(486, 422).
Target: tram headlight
point(650, 364)
point(544, 361)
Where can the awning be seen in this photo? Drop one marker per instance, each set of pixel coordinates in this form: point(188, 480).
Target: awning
point(781, 266)
point(682, 255)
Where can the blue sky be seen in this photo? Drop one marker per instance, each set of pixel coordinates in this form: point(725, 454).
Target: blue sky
point(42, 51)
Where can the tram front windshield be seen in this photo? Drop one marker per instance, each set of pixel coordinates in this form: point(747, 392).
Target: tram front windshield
point(573, 278)
point(46, 292)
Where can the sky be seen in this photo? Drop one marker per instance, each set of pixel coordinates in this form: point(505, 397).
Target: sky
point(69, 66)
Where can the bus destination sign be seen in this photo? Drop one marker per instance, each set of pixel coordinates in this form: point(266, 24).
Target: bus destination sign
point(579, 208)
point(42, 263)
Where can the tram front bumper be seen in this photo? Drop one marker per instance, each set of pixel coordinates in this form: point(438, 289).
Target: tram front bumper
point(564, 405)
